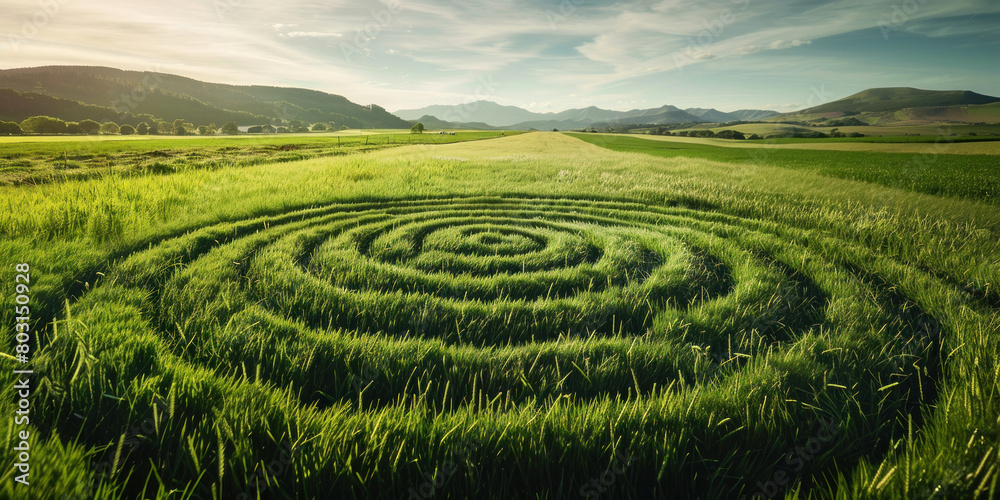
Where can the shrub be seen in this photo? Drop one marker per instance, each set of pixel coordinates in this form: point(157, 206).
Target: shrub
point(43, 125)
point(730, 134)
point(10, 128)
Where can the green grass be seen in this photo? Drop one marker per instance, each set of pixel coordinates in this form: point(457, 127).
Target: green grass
point(909, 134)
point(514, 318)
point(964, 176)
point(33, 160)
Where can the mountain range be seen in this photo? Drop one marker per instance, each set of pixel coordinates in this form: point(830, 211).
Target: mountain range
point(74, 93)
point(513, 117)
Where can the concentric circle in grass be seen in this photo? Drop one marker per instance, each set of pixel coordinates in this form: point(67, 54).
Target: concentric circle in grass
point(732, 329)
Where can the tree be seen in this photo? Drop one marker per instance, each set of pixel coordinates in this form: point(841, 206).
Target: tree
point(230, 129)
point(417, 128)
point(74, 128)
point(10, 128)
point(319, 127)
point(142, 129)
point(43, 125)
point(127, 130)
point(179, 127)
point(160, 127)
point(207, 129)
point(109, 128)
point(268, 129)
point(90, 126)
point(730, 134)
point(256, 129)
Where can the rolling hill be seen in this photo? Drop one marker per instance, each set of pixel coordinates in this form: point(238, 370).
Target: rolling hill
point(170, 97)
point(903, 106)
point(899, 98)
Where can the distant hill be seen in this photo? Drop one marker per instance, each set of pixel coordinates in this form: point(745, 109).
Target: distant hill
point(480, 111)
point(169, 97)
point(551, 124)
point(901, 106)
point(898, 98)
point(433, 123)
point(752, 114)
point(711, 115)
point(16, 106)
point(661, 116)
point(513, 117)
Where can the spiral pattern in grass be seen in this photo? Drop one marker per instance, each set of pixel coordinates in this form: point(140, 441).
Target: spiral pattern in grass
point(483, 308)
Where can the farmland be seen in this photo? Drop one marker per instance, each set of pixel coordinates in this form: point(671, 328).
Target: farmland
point(538, 316)
point(54, 158)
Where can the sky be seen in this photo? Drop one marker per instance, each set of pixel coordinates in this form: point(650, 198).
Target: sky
point(542, 55)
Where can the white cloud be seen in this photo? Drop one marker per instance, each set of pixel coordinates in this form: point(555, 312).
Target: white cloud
point(312, 34)
point(781, 44)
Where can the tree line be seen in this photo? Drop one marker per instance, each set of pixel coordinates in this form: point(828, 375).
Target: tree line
point(49, 125)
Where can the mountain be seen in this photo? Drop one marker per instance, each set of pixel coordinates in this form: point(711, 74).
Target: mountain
point(898, 98)
point(169, 97)
point(711, 115)
point(589, 114)
point(660, 116)
point(513, 117)
point(551, 124)
point(478, 111)
point(750, 115)
point(433, 123)
point(716, 116)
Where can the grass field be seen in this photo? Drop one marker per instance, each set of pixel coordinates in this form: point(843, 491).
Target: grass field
point(894, 133)
point(33, 160)
point(526, 317)
point(916, 167)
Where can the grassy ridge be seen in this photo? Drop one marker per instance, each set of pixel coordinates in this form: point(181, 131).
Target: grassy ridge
point(523, 315)
point(965, 176)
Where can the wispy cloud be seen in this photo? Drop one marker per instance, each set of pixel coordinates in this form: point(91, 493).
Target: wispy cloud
point(312, 34)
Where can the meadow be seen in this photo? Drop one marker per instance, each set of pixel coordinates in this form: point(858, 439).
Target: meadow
point(538, 316)
point(41, 159)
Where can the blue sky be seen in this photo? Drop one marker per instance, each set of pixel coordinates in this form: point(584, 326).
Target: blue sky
point(542, 55)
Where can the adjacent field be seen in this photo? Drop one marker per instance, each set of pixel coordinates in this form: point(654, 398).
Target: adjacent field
point(525, 317)
point(895, 133)
point(921, 168)
point(33, 160)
